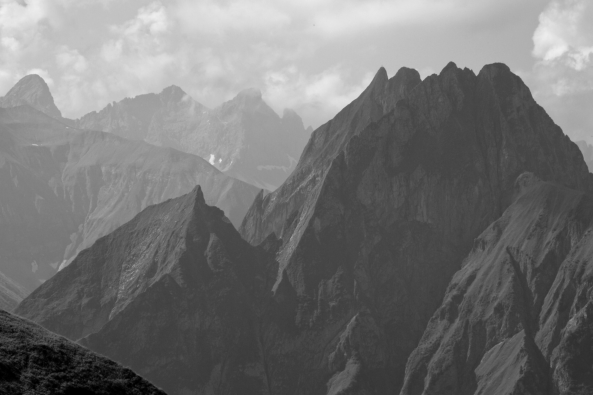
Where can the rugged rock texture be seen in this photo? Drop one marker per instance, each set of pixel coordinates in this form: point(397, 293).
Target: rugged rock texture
point(35, 361)
point(516, 319)
point(175, 294)
point(61, 189)
point(587, 151)
point(385, 204)
point(243, 137)
point(31, 90)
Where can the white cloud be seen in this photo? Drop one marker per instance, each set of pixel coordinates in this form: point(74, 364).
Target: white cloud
point(563, 43)
point(564, 33)
point(215, 17)
point(134, 60)
point(562, 77)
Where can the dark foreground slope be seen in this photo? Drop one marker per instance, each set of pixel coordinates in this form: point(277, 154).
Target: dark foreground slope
point(62, 188)
point(175, 294)
point(517, 318)
point(35, 361)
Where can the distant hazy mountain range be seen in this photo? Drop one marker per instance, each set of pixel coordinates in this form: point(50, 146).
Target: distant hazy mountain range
point(436, 237)
point(61, 188)
point(243, 137)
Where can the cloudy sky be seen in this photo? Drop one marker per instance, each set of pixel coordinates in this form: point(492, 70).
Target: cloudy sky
point(311, 55)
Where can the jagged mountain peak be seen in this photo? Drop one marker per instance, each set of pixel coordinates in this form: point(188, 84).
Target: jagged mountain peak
point(34, 91)
point(173, 92)
point(185, 264)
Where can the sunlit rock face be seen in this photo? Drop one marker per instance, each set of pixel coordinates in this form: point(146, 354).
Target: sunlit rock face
point(31, 90)
point(175, 294)
point(243, 137)
point(413, 198)
point(61, 188)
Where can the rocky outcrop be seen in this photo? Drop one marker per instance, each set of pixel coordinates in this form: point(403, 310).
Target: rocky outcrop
point(387, 200)
point(35, 361)
point(175, 294)
point(243, 137)
point(62, 188)
point(31, 90)
point(511, 321)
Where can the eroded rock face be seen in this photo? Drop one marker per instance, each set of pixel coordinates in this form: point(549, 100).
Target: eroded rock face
point(510, 322)
point(387, 200)
point(62, 188)
point(31, 90)
point(243, 137)
point(184, 308)
point(35, 361)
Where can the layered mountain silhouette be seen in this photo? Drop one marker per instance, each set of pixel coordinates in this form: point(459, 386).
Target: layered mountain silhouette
point(175, 294)
point(433, 239)
point(243, 137)
point(35, 361)
point(61, 188)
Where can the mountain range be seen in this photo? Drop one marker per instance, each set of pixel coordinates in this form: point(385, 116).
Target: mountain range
point(434, 238)
point(61, 187)
point(242, 137)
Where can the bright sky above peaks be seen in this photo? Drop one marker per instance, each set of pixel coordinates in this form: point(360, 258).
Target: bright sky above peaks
point(314, 56)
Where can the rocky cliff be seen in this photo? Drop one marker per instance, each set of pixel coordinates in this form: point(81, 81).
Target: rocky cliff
point(35, 361)
point(243, 137)
point(516, 319)
point(31, 90)
point(385, 204)
point(62, 188)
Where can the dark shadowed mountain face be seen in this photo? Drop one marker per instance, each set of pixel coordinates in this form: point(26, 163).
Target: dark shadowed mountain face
point(372, 225)
point(35, 361)
point(61, 189)
point(31, 90)
point(587, 151)
point(243, 137)
point(516, 319)
point(386, 202)
point(175, 294)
